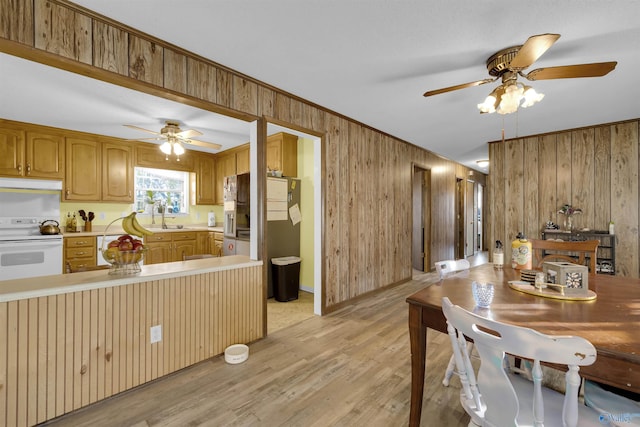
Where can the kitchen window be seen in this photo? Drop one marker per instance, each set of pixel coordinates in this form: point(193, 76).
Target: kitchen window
point(160, 188)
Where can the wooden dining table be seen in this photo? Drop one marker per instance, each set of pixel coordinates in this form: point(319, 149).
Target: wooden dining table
point(611, 322)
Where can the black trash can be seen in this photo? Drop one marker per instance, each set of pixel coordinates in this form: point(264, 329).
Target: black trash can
point(286, 278)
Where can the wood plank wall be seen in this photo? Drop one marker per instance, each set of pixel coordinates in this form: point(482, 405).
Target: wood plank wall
point(60, 353)
point(366, 174)
point(594, 168)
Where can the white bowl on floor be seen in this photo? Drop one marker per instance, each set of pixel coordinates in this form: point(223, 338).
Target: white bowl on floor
point(236, 353)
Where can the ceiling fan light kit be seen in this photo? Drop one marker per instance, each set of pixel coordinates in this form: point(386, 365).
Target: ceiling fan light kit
point(174, 138)
point(508, 63)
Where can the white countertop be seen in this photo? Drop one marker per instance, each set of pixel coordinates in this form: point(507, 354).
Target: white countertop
point(12, 290)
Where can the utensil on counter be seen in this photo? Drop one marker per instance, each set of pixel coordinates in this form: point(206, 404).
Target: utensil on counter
point(48, 229)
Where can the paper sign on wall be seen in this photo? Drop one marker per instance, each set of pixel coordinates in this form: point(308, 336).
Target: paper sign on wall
point(294, 213)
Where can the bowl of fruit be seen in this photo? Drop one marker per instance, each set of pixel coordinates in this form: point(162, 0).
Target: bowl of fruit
point(127, 251)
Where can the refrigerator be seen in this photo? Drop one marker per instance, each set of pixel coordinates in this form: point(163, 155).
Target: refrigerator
point(236, 215)
point(283, 221)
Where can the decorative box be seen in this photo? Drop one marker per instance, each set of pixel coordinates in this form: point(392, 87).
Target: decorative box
point(574, 278)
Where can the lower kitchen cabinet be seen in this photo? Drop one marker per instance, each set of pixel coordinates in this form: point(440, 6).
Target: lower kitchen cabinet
point(215, 243)
point(169, 246)
point(79, 252)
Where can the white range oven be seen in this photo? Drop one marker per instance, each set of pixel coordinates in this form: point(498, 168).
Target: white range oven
point(24, 205)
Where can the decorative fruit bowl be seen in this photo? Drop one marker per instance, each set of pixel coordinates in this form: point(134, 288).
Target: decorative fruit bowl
point(125, 253)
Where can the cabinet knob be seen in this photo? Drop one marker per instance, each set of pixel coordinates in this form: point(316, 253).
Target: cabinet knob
point(19, 168)
point(66, 193)
point(28, 168)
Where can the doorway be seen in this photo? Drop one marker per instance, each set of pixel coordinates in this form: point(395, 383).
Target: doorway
point(421, 231)
point(309, 302)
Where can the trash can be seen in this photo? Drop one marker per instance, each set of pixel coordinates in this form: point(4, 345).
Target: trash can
point(286, 278)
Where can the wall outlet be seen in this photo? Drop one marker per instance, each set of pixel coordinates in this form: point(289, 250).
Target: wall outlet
point(156, 333)
point(101, 215)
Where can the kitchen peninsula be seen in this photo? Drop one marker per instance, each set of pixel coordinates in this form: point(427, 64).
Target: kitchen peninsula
point(74, 339)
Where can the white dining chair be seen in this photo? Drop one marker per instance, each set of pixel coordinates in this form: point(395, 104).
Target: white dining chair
point(498, 397)
point(445, 268)
point(614, 408)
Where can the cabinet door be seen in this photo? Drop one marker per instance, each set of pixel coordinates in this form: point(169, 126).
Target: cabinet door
point(182, 248)
point(117, 172)
point(158, 253)
point(202, 242)
point(205, 180)
point(11, 152)
point(274, 154)
point(225, 166)
point(45, 156)
point(82, 166)
point(150, 156)
point(282, 153)
point(242, 161)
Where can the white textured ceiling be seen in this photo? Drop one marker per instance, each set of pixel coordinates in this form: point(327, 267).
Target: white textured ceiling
point(372, 60)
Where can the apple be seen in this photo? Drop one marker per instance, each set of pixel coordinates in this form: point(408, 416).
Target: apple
point(125, 237)
point(125, 245)
point(113, 244)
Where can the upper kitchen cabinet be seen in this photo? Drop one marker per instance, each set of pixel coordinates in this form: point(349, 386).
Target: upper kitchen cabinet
point(225, 166)
point(31, 154)
point(117, 172)
point(205, 180)
point(150, 156)
point(282, 153)
point(242, 160)
point(83, 165)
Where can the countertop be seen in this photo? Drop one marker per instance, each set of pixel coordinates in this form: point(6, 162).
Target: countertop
point(117, 230)
point(12, 290)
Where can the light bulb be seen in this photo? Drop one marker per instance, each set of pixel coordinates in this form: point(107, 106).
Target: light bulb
point(531, 97)
point(178, 148)
point(488, 106)
point(166, 147)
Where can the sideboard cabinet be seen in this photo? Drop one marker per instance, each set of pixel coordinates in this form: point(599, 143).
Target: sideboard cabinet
point(606, 262)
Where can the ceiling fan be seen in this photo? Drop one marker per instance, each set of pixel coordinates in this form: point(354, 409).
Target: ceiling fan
point(507, 64)
point(172, 133)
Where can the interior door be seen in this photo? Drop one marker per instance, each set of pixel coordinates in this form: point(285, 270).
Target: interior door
point(470, 219)
point(417, 251)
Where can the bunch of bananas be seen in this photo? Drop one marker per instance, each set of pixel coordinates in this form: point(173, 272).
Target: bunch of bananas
point(131, 225)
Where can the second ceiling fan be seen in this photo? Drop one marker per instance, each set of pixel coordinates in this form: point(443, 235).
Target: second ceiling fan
point(507, 64)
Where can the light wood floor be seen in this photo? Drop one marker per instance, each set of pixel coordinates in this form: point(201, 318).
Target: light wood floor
point(349, 368)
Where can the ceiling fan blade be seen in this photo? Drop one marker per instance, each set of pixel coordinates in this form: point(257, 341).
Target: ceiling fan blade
point(146, 139)
point(142, 129)
point(531, 50)
point(462, 86)
point(189, 133)
point(203, 144)
point(598, 69)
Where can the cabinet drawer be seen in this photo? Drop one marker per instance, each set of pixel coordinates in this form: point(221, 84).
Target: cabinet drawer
point(218, 236)
point(158, 237)
point(76, 264)
point(184, 235)
point(77, 242)
point(85, 252)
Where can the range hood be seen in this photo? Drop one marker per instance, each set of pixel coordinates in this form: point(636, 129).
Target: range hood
point(30, 184)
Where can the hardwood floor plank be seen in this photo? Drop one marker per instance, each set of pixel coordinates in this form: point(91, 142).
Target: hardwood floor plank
point(349, 368)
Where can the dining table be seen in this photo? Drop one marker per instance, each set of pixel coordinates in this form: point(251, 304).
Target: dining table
point(610, 321)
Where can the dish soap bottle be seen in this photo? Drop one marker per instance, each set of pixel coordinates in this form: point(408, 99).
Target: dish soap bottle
point(498, 256)
point(521, 253)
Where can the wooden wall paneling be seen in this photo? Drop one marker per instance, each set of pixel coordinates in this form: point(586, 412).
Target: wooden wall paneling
point(146, 61)
point(332, 208)
point(175, 71)
point(110, 48)
point(13, 351)
point(93, 347)
point(224, 87)
point(266, 102)
point(355, 216)
point(602, 178)
point(547, 179)
point(385, 234)
point(313, 118)
point(62, 31)
point(49, 335)
point(514, 193)
point(245, 95)
point(374, 201)
point(344, 211)
point(85, 349)
point(61, 355)
point(563, 172)
point(17, 22)
point(201, 80)
point(42, 363)
point(582, 176)
point(69, 352)
point(32, 362)
point(295, 112)
point(499, 189)
point(532, 222)
point(624, 203)
point(282, 110)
